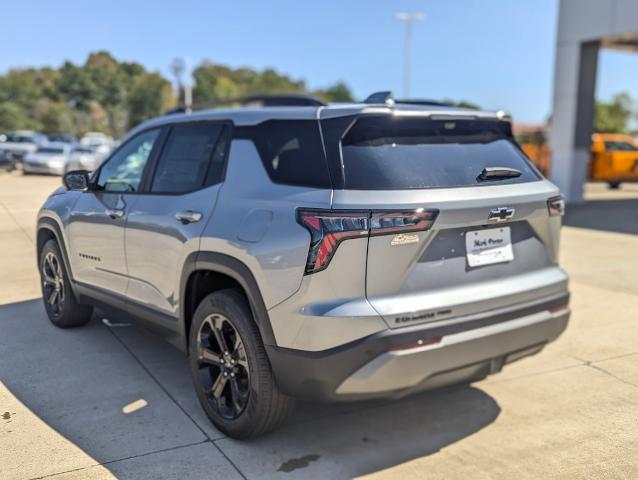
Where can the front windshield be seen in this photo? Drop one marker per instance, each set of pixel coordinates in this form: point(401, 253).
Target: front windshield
point(619, 146)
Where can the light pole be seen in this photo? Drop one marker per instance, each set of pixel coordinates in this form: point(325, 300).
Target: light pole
point(408, 19)
point(178, 67)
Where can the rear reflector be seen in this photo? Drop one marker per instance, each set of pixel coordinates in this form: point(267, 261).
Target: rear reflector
point(328, 228)
point(558, 308)
point(556, 206)
point(419, 343)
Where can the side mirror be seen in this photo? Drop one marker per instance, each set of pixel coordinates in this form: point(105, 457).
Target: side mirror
point(76, 180)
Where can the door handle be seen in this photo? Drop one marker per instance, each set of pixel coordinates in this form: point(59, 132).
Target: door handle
point(188, 217)
point(115, 213)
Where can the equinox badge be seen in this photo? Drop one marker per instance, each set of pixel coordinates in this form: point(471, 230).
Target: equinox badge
point(501, 214)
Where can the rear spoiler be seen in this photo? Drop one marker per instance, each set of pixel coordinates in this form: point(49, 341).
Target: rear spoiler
point(386, 98)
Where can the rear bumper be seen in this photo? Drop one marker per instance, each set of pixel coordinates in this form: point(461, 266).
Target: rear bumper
point(373, 367)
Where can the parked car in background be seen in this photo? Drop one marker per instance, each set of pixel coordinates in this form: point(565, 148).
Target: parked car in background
point(614, 159)
point(22, 142)
point(50, 158)
point(85, 158)
point(100, 142)
point(7, 160)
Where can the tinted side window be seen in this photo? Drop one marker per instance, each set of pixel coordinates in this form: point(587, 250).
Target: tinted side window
point(190, 155)
point(218, 162)
point(123, 171)
point(291, 151)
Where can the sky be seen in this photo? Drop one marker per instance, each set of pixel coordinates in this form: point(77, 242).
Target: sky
point(495, 53)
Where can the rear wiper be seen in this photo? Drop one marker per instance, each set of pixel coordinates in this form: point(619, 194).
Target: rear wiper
point(498, 173)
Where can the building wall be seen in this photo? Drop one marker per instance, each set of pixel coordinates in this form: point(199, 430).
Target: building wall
point(583, 26)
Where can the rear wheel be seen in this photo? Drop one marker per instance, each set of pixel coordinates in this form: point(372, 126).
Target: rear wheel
point(59, 301)
point(614, 185)
point(232, 375)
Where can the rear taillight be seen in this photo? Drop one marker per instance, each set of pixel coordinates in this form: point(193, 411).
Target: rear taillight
point(328, 228)
point(556, 206)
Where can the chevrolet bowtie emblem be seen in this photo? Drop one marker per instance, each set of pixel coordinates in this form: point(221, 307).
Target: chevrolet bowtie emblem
point(501, 214)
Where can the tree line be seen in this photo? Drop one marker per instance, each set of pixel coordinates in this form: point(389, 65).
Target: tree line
point(110, 96)
point(615, 116)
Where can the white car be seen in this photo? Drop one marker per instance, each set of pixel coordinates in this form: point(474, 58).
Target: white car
point(85, 158)
point(98, 141)
point(21, 142)
point(50, 159)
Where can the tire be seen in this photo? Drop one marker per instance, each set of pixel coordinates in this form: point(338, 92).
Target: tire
point(614, 185)
point(259, 406)
point(60, 303)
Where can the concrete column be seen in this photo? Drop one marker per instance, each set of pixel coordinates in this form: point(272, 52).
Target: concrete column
point(573, 117)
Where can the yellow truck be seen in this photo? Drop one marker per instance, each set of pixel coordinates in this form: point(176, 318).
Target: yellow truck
point(614, 157)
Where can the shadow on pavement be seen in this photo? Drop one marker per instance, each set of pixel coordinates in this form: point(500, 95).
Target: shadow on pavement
point(608, 215)
point(122, 393)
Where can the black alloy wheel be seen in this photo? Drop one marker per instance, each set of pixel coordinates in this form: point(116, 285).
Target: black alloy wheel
point(223, 369)
point(53, 284)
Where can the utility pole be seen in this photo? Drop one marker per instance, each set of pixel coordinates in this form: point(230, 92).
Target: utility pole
point(408, 19)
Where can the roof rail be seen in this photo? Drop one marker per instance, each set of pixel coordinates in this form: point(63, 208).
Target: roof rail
point(386, 97)
point(431, 103)
point(266, 100)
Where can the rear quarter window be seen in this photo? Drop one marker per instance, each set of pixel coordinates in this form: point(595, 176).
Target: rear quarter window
point(391, 152)
point(290, 150)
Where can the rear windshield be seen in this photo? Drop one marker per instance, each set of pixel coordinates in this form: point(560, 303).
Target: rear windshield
point(389, 152)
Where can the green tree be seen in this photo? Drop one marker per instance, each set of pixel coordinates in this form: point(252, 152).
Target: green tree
point(110, 96)
point(613, 116)
point(76, 86)
point(214, 82)
point(218, 82)
point(462, 104)
point(53, 117)
point(26, 86)
point(339, 92)
point(150, 96)
point(110, 88)
point(13, 117)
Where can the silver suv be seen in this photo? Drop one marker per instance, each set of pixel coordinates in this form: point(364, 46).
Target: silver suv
point(331, 252)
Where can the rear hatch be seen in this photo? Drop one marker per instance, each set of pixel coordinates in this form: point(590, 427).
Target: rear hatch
point(493, 241)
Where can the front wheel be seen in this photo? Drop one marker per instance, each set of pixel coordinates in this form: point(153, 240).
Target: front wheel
point(230, 369)
point(614, 185)
point(59, 301)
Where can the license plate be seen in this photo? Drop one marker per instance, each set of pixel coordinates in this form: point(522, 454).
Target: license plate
point(486, 247)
